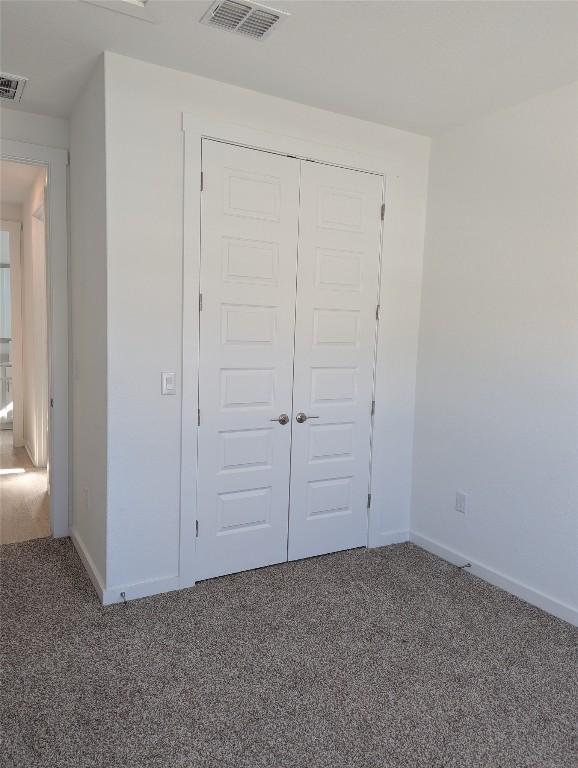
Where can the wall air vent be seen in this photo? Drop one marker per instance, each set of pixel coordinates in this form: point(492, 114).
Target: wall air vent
point(244, 18)
point(11, 86)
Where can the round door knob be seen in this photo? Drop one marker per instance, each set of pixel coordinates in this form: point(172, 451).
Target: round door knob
point(283, 419)
point(301, 417)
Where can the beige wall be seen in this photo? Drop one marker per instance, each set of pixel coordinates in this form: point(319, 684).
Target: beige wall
point(10, 212)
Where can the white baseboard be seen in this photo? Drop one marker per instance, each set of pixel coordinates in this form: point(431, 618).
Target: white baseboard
point(29, 451)
point(131, 591)
point(172, 583)
point(523, 591)
point(88, 563)
point(144, 589)
point(386, 538)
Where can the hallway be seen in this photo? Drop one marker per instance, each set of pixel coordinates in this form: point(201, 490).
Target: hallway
point(24, 511)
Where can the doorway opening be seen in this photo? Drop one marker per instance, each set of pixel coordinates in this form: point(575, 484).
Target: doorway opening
point(24, 387)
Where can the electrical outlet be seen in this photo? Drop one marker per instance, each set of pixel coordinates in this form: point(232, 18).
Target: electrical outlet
point(461, 502)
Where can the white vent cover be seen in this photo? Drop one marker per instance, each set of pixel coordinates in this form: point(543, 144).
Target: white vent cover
point(244, 18)
point(11, 86)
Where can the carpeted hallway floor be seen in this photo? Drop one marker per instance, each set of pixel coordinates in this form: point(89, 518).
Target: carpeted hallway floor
point(363, 659)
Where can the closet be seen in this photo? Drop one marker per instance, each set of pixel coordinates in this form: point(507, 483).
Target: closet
point(289, 278)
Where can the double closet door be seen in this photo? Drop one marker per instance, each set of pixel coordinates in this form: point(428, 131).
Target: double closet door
point(289, 283)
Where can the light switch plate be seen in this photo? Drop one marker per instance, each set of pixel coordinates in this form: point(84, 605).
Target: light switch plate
point(461, 500)
point(168, 383)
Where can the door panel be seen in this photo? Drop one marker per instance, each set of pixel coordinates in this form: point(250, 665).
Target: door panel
point(337, 294)
point(248, 266)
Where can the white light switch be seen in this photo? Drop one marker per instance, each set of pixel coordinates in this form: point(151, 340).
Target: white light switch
point(168, 383)
point(461, 500)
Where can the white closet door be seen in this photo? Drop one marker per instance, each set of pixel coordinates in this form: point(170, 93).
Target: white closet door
point(337, 294)
point(248, 265)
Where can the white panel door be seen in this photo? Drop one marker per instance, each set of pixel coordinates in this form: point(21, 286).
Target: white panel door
point(249, 229)
point(337, 294)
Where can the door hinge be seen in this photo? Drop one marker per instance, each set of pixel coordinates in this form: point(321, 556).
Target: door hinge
point(200, 302)
point(372, 407)
point(382, 211)
point(196, 529)
point(368, 500)
point(198, 417)
point(202, 181)
point(52, 402)
point(377, 312)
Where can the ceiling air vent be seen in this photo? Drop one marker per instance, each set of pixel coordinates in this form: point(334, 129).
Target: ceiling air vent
point(249, 19)
point(11, 87)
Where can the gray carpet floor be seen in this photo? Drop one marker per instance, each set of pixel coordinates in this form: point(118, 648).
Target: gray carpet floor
point(363, 659)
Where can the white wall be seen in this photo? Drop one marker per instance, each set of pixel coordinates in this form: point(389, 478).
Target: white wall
point(497, 392)
point(88, 322)
point(17, 125)
point(34, 391)
point(144, 177)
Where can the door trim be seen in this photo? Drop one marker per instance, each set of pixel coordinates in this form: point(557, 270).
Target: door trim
point(15, 231)
point(56, 162)
point(195, 129)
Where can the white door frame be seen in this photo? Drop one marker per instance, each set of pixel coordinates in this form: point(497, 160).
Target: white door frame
point(14, 228)
point(56, 162)
point(195, 129)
